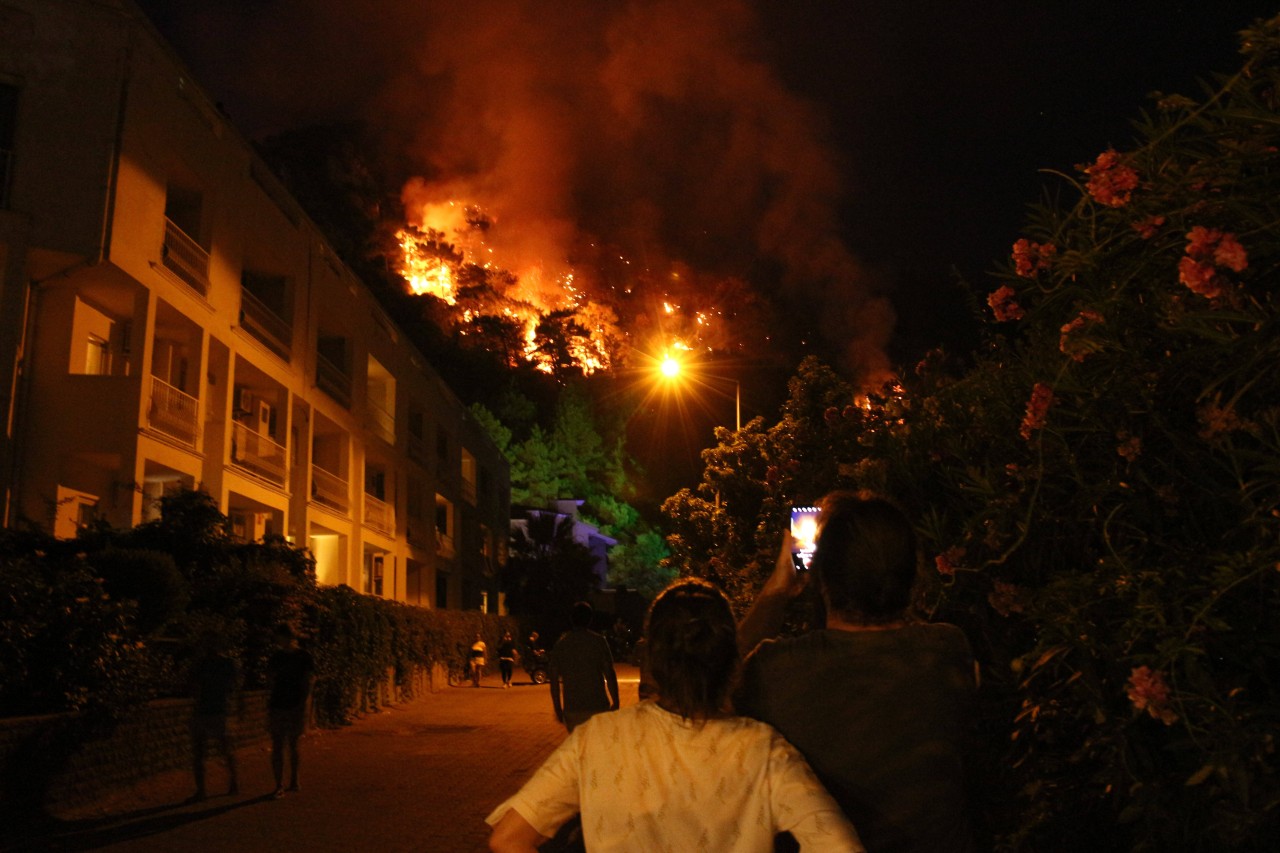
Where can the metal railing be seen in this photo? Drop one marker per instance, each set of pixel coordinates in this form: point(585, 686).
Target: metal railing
point(264, 324)
point(185, 258)
point(329, 489)
point(379, 515)
point(382, 422)
point(172, 412)
point(333, 380)
point(258, 453)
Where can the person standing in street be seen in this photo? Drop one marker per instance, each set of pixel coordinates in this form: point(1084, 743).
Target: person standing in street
point(507, 658)
point(214, 679)
point(290, 673)
point(476, 660)
point(583, 682)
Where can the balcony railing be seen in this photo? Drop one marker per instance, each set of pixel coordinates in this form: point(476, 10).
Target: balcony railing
point(265, 325)
point(329, 489)
point(333, 380)
point(379, 515)
point(258, 453)
point(173, 412)
point(381, 422)
point(185, 258)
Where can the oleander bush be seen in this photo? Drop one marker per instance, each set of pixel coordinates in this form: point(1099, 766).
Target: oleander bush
point(1098, 488)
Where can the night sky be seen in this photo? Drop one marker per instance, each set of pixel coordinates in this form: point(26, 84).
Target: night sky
point(846, 159)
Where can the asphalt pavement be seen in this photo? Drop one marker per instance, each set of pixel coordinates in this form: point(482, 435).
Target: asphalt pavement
point(420, 776)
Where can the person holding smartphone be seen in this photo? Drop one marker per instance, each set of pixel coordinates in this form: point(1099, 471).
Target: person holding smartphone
point(878, 701)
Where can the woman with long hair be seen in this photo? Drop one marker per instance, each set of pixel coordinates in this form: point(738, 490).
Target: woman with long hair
point(678, 771)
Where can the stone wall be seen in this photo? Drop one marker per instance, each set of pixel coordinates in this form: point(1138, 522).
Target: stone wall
point(47, 765)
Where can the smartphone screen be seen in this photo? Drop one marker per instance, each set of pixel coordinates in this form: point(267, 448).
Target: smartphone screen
point(804, 535)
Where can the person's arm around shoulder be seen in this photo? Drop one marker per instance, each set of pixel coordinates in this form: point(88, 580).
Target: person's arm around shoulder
point(767, 612)
point(610, 675)
point(514, 834)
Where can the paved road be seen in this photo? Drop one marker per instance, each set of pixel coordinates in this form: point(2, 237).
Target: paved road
point(417, 777)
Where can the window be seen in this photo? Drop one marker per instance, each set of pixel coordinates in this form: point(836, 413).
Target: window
point(442, 590)
point(8, 132)
point(183, 253)
point(372, 575)
point(444, 525)
point(75, 511)
point(96, 338)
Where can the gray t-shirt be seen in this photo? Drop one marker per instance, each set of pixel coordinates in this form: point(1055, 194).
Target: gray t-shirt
point(884, 718)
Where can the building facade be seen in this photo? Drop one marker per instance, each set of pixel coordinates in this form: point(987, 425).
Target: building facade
point(171, 319)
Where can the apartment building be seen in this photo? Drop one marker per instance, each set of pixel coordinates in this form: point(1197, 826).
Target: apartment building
point(171, 319)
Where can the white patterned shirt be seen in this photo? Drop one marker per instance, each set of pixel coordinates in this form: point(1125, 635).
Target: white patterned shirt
point(645, 779)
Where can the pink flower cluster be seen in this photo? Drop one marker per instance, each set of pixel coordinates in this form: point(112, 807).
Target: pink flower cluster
point(1004, 306)
point(1148, 227)
point(949, 559)
point(1111, 182)
point(1130, 446)
point(1148, 692)
point(1071, 346)
point(1037, 410)
point(1209, 250)
point(1005, 598)
point(1029, 258)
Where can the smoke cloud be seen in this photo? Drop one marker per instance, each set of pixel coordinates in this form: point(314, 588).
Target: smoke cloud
point(653, 134)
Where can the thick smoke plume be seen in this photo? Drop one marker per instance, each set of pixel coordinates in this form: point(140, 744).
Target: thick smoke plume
point(652, 134)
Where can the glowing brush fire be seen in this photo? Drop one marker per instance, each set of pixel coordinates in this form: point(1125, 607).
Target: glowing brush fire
point(450, 256)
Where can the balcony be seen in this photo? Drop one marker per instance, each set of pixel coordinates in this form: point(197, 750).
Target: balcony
point(257, 453)
point(272, 330)
point(185, 258)
point(379, 516)
point(380, 422)
point(333, 380)
point(329, 489)
point(173, 412)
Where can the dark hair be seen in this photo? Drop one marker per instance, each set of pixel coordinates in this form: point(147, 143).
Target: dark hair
point(580, 614)
point(866, 557)
point(691, 643)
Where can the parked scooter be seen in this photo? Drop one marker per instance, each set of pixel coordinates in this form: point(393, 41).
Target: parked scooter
point(536, 664)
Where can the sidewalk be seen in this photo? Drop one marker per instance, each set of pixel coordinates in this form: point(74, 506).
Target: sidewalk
point(416, 777)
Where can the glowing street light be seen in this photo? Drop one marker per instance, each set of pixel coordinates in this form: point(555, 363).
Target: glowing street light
point(670, 368)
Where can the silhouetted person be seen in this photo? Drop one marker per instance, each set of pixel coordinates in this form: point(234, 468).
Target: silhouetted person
point(879, 701)
point(214, 679)
point(581, 668)
point(507, 658)
point(290, 671)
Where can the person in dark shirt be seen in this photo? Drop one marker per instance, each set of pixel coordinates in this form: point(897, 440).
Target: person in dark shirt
point(583, 681)
point(290, 672)
point(214, 679)
point(879, 702)
point(507, 658)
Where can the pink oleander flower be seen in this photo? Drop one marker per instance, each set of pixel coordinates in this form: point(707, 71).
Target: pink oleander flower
point(1130, 446)
point(1200, 278)
point(1209, 250)
point(1005, 598)
point(1071, 346)
point(1216, 420)
point(1037, 410)
point(1111, 182)
point(1003, 305)
point(1030, 258)
point(1230, 254)
point(948, 560)
point(1148, 227)
point(1148, 692)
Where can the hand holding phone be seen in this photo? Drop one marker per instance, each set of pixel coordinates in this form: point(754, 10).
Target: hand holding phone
point(804, 536)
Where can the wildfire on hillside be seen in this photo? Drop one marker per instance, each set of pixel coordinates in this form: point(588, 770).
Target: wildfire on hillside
point(447, 253)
